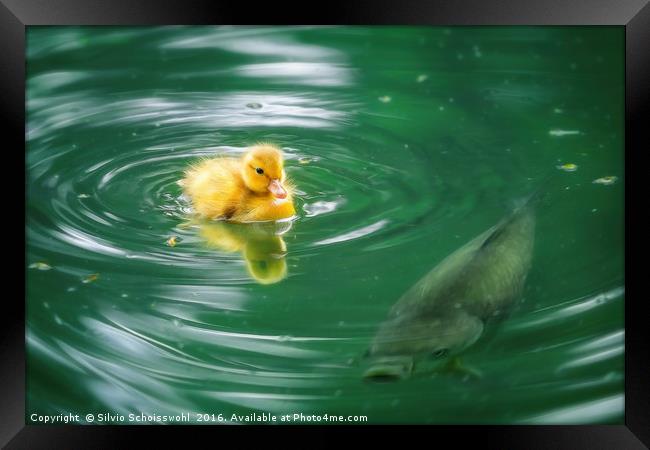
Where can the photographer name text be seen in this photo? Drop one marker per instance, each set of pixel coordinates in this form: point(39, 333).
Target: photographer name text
point(187, 417)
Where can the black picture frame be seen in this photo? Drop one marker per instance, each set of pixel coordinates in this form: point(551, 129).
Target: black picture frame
point(634, 15)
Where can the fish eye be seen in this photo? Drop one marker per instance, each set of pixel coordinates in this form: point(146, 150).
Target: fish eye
point(440, 353)
point(259, 170)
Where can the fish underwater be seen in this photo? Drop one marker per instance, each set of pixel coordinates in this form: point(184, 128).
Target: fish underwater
point(448, 310)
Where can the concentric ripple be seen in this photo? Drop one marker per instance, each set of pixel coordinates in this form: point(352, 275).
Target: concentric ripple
point(399, 158)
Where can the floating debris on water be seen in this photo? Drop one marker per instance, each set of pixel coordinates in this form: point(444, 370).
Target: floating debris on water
point(83, 196)
point(606, 180)
point(90, 278)
point(422, 78)
point(172, 241)
point(568, 167)
point(385, 99)
point(253, 105)
point(40, 266)
point(304, 160)
point(563, 132)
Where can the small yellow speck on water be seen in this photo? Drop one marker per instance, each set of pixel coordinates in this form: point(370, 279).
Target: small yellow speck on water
point(385, 99)
point(304, 161)
point(40, 266)
point(568, 167)
point(422, 78)
point(172, 241)
point(606, 180)
point(90, 278)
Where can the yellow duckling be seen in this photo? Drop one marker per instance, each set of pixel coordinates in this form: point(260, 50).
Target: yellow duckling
point(251, 189)
point(261, 246)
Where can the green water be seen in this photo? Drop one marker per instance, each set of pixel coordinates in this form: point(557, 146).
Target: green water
point(404, 143)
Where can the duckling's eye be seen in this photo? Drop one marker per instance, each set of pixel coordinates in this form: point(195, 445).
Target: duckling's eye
point(259, 170)
point(440, 353)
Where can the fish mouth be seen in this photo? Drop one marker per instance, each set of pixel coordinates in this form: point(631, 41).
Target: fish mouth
point(388, 371)
point(385, 374)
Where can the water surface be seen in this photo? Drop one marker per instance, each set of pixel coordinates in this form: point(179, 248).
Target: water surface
point(404, 142)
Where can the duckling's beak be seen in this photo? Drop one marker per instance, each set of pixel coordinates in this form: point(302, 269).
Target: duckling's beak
point(276, 188)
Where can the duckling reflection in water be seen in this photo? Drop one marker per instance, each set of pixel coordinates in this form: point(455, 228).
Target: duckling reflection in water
point(448, 310)
point(260, 244)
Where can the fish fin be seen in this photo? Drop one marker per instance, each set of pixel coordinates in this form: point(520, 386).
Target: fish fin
point(521, 205)
point(495, 234)
point(454, 366)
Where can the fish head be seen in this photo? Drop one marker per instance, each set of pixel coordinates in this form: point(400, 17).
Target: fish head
point(403, 341)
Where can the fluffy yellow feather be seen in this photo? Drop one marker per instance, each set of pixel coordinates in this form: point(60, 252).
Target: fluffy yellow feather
point(251, 189)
